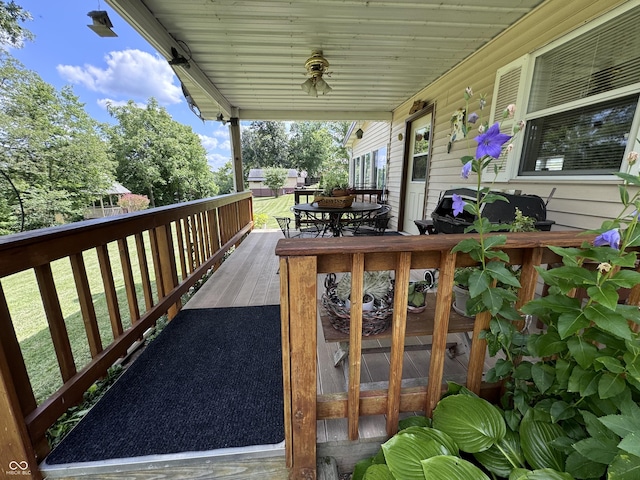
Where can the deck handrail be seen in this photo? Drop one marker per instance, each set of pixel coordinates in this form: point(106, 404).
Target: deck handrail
point(184, 241)
point(301, 260)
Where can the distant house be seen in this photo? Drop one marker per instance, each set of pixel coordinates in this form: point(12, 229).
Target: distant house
point(107, 205)
point(259, 189)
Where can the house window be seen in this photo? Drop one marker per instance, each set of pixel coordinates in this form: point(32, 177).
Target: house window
point(420, 154)
point(380, 163)
point(583, 101)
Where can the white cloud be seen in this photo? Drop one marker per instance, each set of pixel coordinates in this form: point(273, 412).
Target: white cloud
point(129, 74)
point(209, 143)
point(217, 161)
point(226, 146)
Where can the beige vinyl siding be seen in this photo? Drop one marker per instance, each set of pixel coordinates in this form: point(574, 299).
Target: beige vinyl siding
point(574, 204)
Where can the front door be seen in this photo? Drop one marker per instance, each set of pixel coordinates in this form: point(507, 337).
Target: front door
point(419, 136)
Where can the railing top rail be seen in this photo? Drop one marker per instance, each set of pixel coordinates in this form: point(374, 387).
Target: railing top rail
point(420, 243)
point(27, 249)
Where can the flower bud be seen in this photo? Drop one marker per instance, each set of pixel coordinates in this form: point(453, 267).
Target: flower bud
point(632, 158)
point(604, 267)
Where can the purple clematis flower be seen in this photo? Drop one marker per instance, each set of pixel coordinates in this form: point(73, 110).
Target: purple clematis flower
point(466, 170)
point(458, 204)
point(490, 143)
point(610, 237)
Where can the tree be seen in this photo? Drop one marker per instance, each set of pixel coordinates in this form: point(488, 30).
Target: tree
point(51, 151)
point(223, 178)
point(11, 32)
point(265, 144)
point(274, 178)
point(310, 144)
point(159, 156)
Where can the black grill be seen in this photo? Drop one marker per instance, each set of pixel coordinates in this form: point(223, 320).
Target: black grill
point(497, 212)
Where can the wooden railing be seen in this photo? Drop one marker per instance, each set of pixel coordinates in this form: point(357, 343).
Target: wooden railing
point(183, 241)
point(302, 260)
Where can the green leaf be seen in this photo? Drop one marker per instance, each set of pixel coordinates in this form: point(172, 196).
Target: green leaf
point(543, 376)
point(494, 241)
point(536, 438)
point(546, 344)
point(581, 467)
point(563, 372)
point(429, 434)
point(414, 421)
point(621, 425)
point(556, 303)
point(494, 459)
point(608, 321)
point(624, 467)
point(580, 276)
point(624, 194)
point(403, 453)
point(597, 450)
point(492, 300)
point(451, 468)
point(380, 472)
point(631, 443)
point(467, 245)
point(360, 468)
point(479, 281)
point(582, 351)
point(610, 385)
point(480, 427)
point(501, 273)
point(612, 364)
point(606, 295)
point(569, 323)
point(561, 410)
point(626, 278)
point(632, 179)
point(541, 474)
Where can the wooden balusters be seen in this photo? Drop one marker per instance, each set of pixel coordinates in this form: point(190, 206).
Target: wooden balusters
point(109, 290)
point(86, 304)
point(144, 271)
point(129, 282)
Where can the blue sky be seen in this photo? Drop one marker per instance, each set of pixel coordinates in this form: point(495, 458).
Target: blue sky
point(100, 70)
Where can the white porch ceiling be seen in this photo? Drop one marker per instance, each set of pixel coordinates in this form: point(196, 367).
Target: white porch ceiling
point(247, 57)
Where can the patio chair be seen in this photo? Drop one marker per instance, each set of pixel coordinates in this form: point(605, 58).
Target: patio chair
point(374, 225)
point(283, 223)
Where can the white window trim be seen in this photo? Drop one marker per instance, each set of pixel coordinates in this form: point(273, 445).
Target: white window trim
point(515, 158)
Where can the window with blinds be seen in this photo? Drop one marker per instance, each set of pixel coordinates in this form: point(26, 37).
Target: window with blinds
point(583, 98)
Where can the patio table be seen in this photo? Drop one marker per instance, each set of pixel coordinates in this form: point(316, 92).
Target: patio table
point(332, 218)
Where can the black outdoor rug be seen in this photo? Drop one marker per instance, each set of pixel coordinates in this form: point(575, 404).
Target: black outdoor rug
point(212, 379)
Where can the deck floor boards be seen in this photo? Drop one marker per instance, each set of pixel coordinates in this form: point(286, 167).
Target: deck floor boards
point(250, 277)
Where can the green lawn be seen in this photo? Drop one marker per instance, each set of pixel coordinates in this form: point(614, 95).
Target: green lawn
point(273, 207)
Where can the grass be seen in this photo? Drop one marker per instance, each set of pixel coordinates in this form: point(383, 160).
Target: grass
point(273, 207)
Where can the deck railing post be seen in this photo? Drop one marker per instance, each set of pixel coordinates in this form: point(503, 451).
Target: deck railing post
point(16, 455)
point(301, 290)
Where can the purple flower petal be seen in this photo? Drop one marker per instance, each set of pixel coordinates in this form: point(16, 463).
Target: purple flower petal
point(610, 237)
point(466, 170)
point(458, 204)
point(490, 143)
point(473, 118)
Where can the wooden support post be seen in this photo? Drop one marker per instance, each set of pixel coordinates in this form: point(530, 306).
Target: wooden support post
point(398, 338)
point(303, 315)
point(355, 344)
point(17, 457)
point(440, 330)
point(236, 149)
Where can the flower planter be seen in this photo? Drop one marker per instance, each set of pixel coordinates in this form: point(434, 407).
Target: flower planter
point(461, 295)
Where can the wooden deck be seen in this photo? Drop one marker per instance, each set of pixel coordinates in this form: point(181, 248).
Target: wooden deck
point(250, 277)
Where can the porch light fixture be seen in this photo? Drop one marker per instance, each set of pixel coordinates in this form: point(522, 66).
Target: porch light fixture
point(316, 66)
point(101, 23)
point(359, 133)
point(178, 60)
point(220, 118)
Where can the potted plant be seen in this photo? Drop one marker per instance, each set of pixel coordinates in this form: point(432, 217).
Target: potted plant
point(335, 183)
point(376, 286)
point(417, 296)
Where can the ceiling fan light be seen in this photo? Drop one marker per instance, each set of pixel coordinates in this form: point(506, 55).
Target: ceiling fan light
point(322, 86)
point(307, 85)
